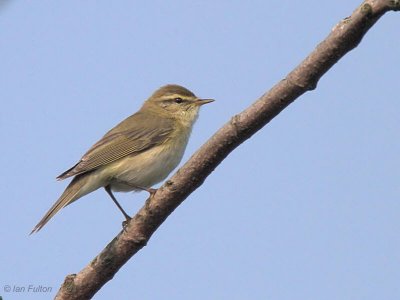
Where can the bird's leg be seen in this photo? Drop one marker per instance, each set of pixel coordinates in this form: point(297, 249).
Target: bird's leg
point(151, 191)
point(127, 217)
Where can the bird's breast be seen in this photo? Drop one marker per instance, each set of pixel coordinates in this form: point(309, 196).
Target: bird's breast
point(149, 167)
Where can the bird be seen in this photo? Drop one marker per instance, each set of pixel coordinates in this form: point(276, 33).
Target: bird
point(136, 154)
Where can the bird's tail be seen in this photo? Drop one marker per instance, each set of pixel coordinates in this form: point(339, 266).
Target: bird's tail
point(71, 193)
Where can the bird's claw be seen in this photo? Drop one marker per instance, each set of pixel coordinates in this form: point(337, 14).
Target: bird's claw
point(125, 223)
point(151, 191)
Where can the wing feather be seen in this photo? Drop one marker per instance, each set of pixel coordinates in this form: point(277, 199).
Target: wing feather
point(133, 135)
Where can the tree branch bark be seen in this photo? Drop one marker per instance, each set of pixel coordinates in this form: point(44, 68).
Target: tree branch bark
point(345, 36)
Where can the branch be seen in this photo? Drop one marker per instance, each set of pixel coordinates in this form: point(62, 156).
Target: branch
point(345, 36)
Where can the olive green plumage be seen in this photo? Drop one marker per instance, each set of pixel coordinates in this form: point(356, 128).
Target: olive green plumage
point(137, 153)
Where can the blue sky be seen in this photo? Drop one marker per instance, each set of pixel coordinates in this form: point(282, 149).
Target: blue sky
point(306, 209)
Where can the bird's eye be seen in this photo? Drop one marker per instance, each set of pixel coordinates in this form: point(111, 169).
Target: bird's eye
point(178, 100)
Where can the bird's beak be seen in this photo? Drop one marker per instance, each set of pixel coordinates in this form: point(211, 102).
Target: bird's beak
point(204, 101)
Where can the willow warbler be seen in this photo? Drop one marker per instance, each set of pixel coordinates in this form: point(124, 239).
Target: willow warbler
point(137, 153)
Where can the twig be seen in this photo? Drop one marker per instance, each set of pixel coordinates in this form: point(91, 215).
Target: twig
point(344, 37)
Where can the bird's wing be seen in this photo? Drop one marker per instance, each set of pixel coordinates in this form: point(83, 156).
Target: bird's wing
point(121, 141)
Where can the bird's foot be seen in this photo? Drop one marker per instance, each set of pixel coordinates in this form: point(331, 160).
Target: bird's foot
point(125, 223)
point(151, 191)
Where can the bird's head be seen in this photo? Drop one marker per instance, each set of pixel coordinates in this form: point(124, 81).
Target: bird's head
point(176, 102)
